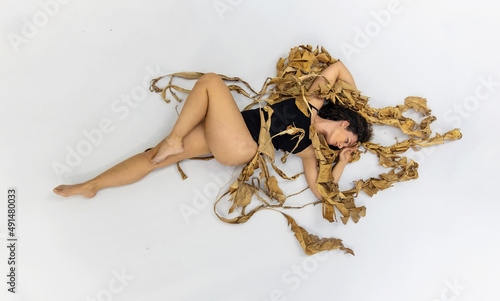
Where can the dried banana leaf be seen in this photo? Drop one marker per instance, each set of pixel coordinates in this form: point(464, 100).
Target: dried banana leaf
point(295, 75)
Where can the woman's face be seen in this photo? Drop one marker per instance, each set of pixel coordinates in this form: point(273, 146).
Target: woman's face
point(337, 135)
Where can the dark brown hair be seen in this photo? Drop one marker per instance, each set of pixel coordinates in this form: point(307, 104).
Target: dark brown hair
point(357, 124)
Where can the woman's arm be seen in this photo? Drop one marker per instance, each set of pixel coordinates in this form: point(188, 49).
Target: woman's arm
point(333, 72)
point(344, 156)
point(310, 164)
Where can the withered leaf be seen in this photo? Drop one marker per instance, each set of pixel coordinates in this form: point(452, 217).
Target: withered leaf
point(295, 75)
point(241, 194)
point(312, 244)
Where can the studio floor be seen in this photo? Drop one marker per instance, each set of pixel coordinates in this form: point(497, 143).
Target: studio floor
point(74, 101)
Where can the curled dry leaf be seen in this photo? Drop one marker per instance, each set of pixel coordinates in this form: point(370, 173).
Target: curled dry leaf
point(295, 75)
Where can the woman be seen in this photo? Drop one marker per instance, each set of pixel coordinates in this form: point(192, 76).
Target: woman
point(210, 122)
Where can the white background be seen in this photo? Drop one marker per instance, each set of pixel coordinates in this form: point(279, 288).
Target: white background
point(435, 238)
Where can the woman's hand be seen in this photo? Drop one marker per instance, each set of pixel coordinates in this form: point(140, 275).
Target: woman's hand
point(345, 154)
point(330, 74)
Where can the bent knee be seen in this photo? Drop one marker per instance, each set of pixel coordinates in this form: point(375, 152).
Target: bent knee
point(209, 77)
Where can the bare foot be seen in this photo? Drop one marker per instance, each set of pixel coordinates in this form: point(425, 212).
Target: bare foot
point(80, 189)
point(169, 146)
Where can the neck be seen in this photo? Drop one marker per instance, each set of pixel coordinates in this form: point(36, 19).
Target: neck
point(318, 122)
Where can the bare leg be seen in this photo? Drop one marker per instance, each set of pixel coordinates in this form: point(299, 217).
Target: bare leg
point(209, 123)
point(137, 167)
point(209, 91)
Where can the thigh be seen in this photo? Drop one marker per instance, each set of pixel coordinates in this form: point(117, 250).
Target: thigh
point(226, 133)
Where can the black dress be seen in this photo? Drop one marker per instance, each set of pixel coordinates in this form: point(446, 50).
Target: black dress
point(285, 114)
